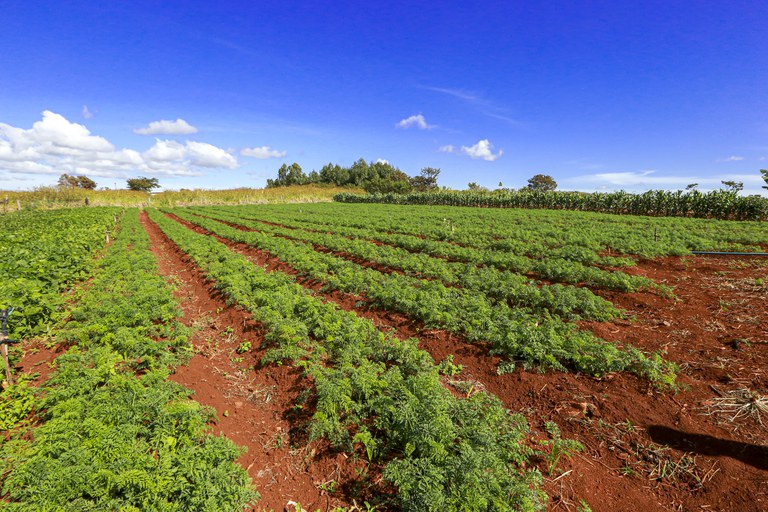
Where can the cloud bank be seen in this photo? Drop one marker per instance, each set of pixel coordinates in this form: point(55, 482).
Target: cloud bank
point(55, 145)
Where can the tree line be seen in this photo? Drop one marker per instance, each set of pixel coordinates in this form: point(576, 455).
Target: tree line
point(375, 177)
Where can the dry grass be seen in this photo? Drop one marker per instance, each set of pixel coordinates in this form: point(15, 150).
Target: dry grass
point(739, 404)
point(54, 197)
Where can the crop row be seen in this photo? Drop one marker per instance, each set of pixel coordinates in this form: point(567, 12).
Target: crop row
point(42, 252)
point(513, 333)
point(499, 286)
point(379, 393)
point(718, 204)
point(560, 265)
point(111, 431)
point(538, 232)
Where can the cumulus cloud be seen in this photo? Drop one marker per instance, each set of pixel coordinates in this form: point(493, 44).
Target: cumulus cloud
point(732, 158)
point(165, 127)
point(263, 152)
point(415, 120)
point(208, 155)
point(55, 145)
point(483, 149)
point(382, 161)
point(87, 114)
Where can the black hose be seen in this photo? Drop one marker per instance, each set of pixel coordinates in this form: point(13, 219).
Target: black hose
point(730, 253)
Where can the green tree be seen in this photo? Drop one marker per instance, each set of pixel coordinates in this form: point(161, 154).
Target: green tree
point(733, 186)
point(765, 177)
point(143, 184)
point(542, 182)
point(426, 180)
point(67, 181)
point(288, 175)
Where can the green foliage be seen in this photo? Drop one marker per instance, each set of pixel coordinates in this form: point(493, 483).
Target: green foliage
point(16, 402)
point(84, 182)
point(718, 204)
point(107, 439)
point(142, 184)
point(764, 172)
point(533, 337)
point(380, 393)
point(542, 182)
point(41, 254)
point(377, 177)
point(558, 447)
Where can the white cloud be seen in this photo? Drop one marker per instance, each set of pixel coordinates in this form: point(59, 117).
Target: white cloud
point(165, 127)
point(263, 152)
point(207, 155)
point(447, 149)
point(415, 120)
point(482, 150)
point(55, 145)
point(87, 114)
point(732, 158)
point(382, 161)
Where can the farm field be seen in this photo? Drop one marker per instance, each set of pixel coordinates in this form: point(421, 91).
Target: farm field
point(388, 357)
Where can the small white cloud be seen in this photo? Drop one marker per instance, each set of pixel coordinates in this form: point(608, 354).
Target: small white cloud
point(382, 161)
point(732, 158)
point(263, 152)
point(165, 127)
point(447, 149)
point(483, 149)
point(416, 120)
point(87, 114)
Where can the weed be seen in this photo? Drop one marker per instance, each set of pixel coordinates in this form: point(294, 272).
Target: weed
point(558, 447)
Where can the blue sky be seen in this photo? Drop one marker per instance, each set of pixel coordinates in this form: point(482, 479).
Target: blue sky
point(600, 95)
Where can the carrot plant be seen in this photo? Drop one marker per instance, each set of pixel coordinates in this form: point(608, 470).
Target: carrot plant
point(380, 393)
point(112, 432)
point(518, 335)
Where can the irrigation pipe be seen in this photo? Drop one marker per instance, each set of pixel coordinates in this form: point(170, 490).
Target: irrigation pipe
point(707, 253)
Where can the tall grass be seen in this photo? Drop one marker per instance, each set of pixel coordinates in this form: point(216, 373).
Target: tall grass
point(55, 197)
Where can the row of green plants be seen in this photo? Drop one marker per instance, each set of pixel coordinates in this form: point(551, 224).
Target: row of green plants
point(519, 336)
point(41, 253)
point(565, 265)
point(379, 395)
point(517, 290)
point(581, 236)
point(109, 430)
point(716, 204)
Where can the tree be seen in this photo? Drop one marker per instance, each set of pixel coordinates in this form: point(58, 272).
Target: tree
point(692, 186)
point(426, 180)
point(143, 184)
point(765, 177)
point(542, 182)
point(67, 181)
point(733, 186)
point(288, 175)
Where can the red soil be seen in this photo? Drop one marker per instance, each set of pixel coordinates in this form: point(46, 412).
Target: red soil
point(645, 449)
